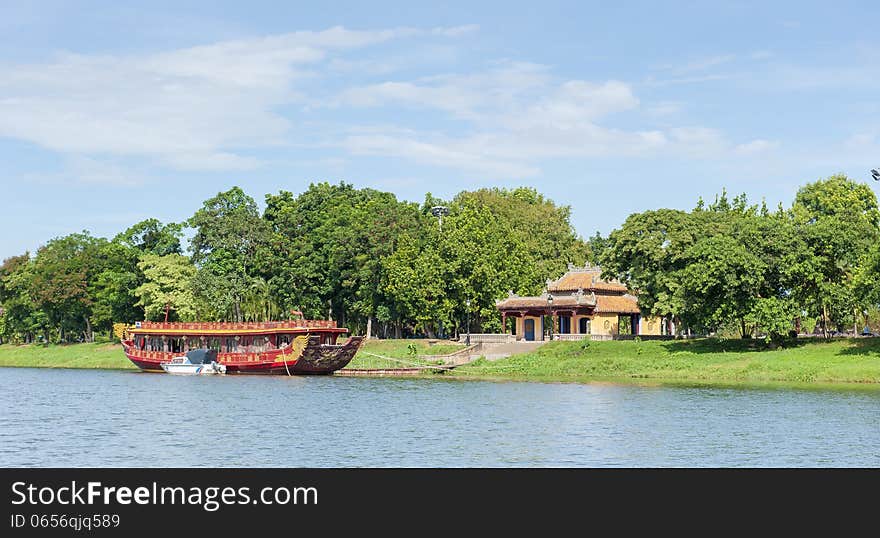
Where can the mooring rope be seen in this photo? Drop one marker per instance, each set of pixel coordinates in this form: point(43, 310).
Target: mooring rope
point(285, 361)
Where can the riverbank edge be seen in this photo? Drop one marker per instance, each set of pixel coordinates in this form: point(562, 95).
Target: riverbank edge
point(598, 380)
point(671, 382)
point(109, 357)
point(579, 380)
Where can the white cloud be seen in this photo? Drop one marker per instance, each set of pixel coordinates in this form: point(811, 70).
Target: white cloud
point(665, 108)
point(467, 96)
point(699, 64)
point(191, 108)
point(756, 146)
point(89, 171)
point(653, 81)
point(204, 107)
point(518, 115)
point(460, 154)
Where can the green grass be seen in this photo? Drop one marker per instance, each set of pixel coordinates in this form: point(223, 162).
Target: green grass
point(399, 349)
point(703, 361)
point(854, 362)
point(103, 355)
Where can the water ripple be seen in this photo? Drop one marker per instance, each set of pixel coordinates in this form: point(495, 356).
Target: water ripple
point(105, 418)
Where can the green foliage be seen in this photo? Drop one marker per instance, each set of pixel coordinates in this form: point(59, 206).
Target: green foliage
point(230, 240)
point(152, 237)
point(839, 220)
point(732, 264)
point(168, 284)
point(375, 263)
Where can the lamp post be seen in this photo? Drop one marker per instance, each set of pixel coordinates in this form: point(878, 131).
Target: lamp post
point(467, 303)
point(440, 211)
point(550, 313)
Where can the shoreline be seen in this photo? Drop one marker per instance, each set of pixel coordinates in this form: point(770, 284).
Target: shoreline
point(852, 364)
point(611, 381)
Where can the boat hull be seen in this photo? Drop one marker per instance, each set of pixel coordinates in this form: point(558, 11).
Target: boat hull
point(312, 358)
point(193, 369)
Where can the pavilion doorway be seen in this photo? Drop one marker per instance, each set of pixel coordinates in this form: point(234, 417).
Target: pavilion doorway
point(529, 329)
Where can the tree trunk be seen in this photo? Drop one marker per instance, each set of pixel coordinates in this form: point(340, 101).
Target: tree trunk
point(824, 321)
point(369, 326)
point(855, 322)
point(88, 335)
point(237, 312)
point(742, 327)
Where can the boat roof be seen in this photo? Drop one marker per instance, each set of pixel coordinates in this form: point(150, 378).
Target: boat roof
point(232, 329)
point(201, 356)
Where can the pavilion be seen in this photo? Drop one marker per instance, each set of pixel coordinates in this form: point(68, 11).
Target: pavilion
point(580, 303)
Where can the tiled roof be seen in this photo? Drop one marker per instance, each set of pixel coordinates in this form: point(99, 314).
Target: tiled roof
point(586, 278)
point(620, 304)
point(617, 304)
point(541, 302)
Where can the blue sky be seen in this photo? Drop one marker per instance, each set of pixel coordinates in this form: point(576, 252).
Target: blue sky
point(111, 114)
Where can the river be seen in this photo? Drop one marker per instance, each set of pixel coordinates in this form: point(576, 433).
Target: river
point(100, 418)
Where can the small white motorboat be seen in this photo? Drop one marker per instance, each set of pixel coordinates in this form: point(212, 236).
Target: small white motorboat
point(195, 362)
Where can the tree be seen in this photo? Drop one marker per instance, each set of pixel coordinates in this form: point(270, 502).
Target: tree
point(152, 237)
point(168, 288)
point(838, 219)
point(63, 269)
point(328, 246)
point(112, 288)
point(647, 253)
point(22, 319)
point(711, 267)
point(230, 239)
point(493, 241)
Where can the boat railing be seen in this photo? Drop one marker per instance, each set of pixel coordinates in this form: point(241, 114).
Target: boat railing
point(221, 357)
point(231, 326)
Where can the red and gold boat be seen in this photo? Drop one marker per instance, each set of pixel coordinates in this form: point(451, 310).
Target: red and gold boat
point(277, 347)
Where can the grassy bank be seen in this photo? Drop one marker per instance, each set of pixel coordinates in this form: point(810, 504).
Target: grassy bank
point(110, 356)
point(704, 361)
point(107, 356)
point(400, 349)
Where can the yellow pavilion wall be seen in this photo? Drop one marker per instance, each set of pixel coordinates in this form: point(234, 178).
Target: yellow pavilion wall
point(651, 326)
point(599, 322)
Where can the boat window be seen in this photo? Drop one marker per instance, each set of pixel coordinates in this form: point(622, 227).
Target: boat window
point(155, 343)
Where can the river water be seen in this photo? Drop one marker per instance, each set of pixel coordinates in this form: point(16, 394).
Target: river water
point(94, 418)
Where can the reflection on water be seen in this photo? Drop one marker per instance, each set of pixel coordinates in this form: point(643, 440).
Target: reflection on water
point(117, 419)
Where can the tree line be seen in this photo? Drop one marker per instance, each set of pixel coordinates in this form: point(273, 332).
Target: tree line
point(384, 266)
point(360, 256)
point(737, 268)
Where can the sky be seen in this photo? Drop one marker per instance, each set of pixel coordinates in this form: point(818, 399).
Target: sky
point(114, 112)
